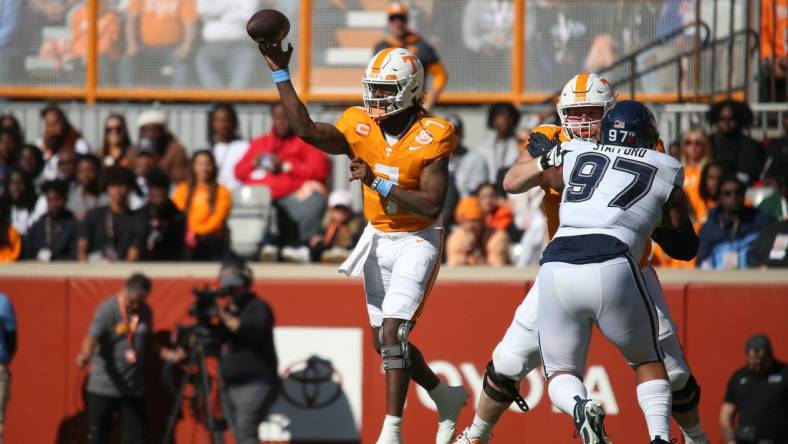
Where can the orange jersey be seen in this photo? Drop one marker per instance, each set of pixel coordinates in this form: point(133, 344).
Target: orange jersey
point(552, 198)
point(427, 140)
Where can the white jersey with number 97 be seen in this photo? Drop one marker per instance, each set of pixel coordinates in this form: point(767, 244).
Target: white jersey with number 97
point(617, 191)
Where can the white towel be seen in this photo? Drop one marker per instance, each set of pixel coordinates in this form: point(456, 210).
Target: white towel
point(354, 264)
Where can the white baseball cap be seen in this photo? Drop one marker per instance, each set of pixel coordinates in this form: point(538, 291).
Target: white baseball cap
point(340, 198)
point(151, 116)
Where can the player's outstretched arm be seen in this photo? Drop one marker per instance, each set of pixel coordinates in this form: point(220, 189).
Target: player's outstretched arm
point(530, 172)
point(676, 235)
point(322, 135)
point(427, 201)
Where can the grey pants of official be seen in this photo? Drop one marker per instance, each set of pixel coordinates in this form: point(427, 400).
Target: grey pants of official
point(246, 405)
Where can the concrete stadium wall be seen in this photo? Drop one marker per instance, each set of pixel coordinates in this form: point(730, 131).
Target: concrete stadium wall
point(342, 400)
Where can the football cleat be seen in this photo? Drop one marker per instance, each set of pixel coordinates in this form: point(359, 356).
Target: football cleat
point(659, 440)
point(589, 421)
point(464, 439)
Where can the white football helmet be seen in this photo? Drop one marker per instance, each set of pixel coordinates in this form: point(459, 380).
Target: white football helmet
point(585, 89)
point(400, 71)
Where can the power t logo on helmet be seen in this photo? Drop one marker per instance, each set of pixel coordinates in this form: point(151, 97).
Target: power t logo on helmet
point(393, 81)
point(583, 102)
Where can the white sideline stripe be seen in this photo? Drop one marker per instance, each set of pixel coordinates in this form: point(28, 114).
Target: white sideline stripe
point(348, 56)
point(366, 19)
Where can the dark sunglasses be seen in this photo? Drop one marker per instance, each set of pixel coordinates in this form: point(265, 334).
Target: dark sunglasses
point(115, 129)
point(404, 18)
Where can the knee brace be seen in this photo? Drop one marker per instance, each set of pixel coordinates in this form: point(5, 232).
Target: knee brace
point(505, 391)
point(686, 399)
point(396, 357)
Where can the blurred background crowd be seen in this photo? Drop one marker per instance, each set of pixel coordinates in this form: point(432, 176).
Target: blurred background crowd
point(140, 194)
point(115, 180)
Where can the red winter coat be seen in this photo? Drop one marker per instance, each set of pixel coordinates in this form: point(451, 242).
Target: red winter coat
point(306, 163)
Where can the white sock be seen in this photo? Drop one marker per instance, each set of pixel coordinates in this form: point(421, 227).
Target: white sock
point(695, 435)
point(480, 429)
point(654, 398)
point(392, 427)
point(563, 389)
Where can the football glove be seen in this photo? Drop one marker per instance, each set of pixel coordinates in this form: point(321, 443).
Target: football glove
point(551, 159)
point(539, 144)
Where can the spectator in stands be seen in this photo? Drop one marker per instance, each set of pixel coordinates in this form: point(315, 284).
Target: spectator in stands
point(9, 149)
point(21, 197)
point(66, 170)
point(777, 153)
point(402, 37)
point(117, 342)
point(108, 41)
point(465, 245)
point(227, 145)
point(489, 162)
point(85, 193)
point(206, 204)
point(116, 146)
point(164, 225)
point(58, 135)
point(159, 38)
point(708, 190)
point(694, 155)
point(341, 230)
point(153, 131)
point(10, 53)
point(497, 223)
point(8, 343)
point(146, 159)
point(774, 50)
point(111, 233)
point(730, 146)
point(755, 405)
point(777, 203)
point(295, 172)
point(730, 229)
point(31, 162)
point(10, 122)
point(226, 57)
point(54, 236)
point(10, 240)
point(452, 193)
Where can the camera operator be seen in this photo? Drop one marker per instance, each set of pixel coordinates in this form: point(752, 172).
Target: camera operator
point(116, 342)
point(248, 363)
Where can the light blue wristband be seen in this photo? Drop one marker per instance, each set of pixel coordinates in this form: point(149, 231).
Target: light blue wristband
point(281, 75)
point(382, 186)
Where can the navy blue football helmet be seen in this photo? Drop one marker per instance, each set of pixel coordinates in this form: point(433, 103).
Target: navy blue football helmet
point(629, 123)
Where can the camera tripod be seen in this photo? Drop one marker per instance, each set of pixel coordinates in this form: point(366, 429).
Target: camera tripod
point(201, 384)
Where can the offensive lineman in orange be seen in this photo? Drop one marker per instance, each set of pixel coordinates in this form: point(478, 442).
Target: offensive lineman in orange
point(581, 106)
point(400, 155)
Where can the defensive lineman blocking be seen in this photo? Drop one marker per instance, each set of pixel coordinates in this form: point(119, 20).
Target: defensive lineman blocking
point(581, 106)
point(615, 193)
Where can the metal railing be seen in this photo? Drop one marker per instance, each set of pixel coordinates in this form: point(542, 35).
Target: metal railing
point(518, 55)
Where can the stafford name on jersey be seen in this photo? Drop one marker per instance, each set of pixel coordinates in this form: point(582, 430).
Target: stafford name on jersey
point(622, 151)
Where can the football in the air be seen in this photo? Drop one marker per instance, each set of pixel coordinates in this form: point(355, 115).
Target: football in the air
point(268, 25)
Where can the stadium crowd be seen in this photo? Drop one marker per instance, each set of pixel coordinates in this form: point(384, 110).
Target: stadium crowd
point(151, 200)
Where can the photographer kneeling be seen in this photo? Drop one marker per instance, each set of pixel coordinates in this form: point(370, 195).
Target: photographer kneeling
point(248, 363)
